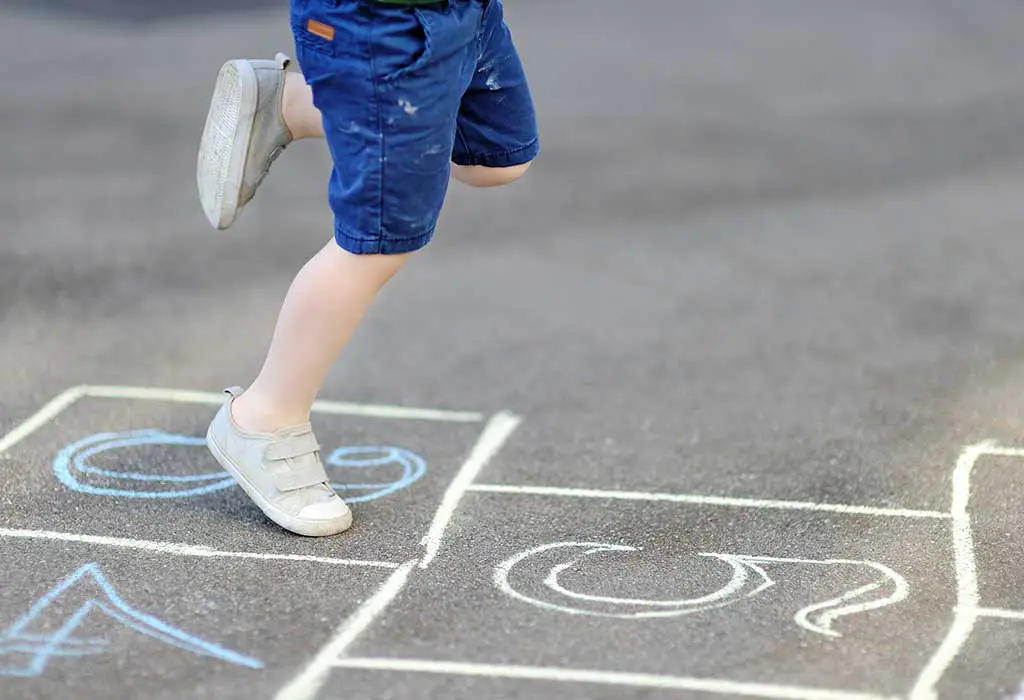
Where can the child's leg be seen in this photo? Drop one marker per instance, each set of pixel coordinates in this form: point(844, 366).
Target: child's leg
point(496, 142)
point(488, 176)
point(323, 306)
point(388, 116)
point(300, 114)
point(496, 132)
point(321, 311)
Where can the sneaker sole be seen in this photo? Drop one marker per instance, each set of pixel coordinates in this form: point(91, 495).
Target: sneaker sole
point(225, 142)
point(300, 526)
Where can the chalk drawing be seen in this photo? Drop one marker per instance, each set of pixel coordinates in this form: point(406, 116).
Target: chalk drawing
point(412, 465)
point(747, 578)
point(74, 466)
point(42, 637)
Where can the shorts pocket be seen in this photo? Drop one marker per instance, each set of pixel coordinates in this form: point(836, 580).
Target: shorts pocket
point(403, 43)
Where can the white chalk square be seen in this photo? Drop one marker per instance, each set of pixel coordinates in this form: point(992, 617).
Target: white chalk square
point(562, 589)
point(88, 620)
point(131, 462)
point(934, 649)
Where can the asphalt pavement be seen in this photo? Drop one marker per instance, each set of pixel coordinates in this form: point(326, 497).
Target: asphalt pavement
point(724, 399)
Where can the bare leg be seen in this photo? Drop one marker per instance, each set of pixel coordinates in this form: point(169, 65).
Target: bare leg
point(326, 302)
point(482, 176)
point(300, 114)
point(320, 313)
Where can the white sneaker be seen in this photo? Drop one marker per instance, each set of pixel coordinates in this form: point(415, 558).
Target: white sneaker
point(244, 134)
point(281, 472)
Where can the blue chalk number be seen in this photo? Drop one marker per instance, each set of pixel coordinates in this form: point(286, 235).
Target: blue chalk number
point(359, 474)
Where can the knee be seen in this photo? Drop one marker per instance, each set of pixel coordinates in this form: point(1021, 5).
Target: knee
point(482, 176)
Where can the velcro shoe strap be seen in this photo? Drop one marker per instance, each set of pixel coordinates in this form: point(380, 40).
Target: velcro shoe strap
point(292, 447)
point(309, 473)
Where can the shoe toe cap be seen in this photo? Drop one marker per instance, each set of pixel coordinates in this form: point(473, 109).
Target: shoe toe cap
point(333, 510)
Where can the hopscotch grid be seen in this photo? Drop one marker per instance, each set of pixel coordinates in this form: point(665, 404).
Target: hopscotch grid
point(51, 410)
point(966, 612)
point(309, 680)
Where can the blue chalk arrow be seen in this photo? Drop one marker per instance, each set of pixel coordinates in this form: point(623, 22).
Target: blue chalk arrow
point(41, 647)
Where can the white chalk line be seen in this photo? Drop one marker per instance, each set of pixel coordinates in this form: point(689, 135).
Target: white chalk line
point(309, 681)
point(321, 406)
point(306, 685)
point(726, 595)
point(185, 550)
point(695, 499)
point(40, 418)
point(965, 614)
point(997, 613)
point(567, 675)
point(61, 402)
point(732, 592)
point(500, 577)
point(901, 590)
point(491, 440)
point(736, 582)
point(997, 451)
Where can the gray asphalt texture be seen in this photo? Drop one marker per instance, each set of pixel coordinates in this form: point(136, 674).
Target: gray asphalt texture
point(770, 251)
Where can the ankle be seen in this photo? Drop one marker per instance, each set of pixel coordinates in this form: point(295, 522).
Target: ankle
point(253, 413)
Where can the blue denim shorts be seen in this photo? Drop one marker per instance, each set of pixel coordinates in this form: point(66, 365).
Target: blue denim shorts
point(404, 92)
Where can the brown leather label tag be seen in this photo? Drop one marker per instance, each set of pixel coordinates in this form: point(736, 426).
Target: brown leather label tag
point(324, 31)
